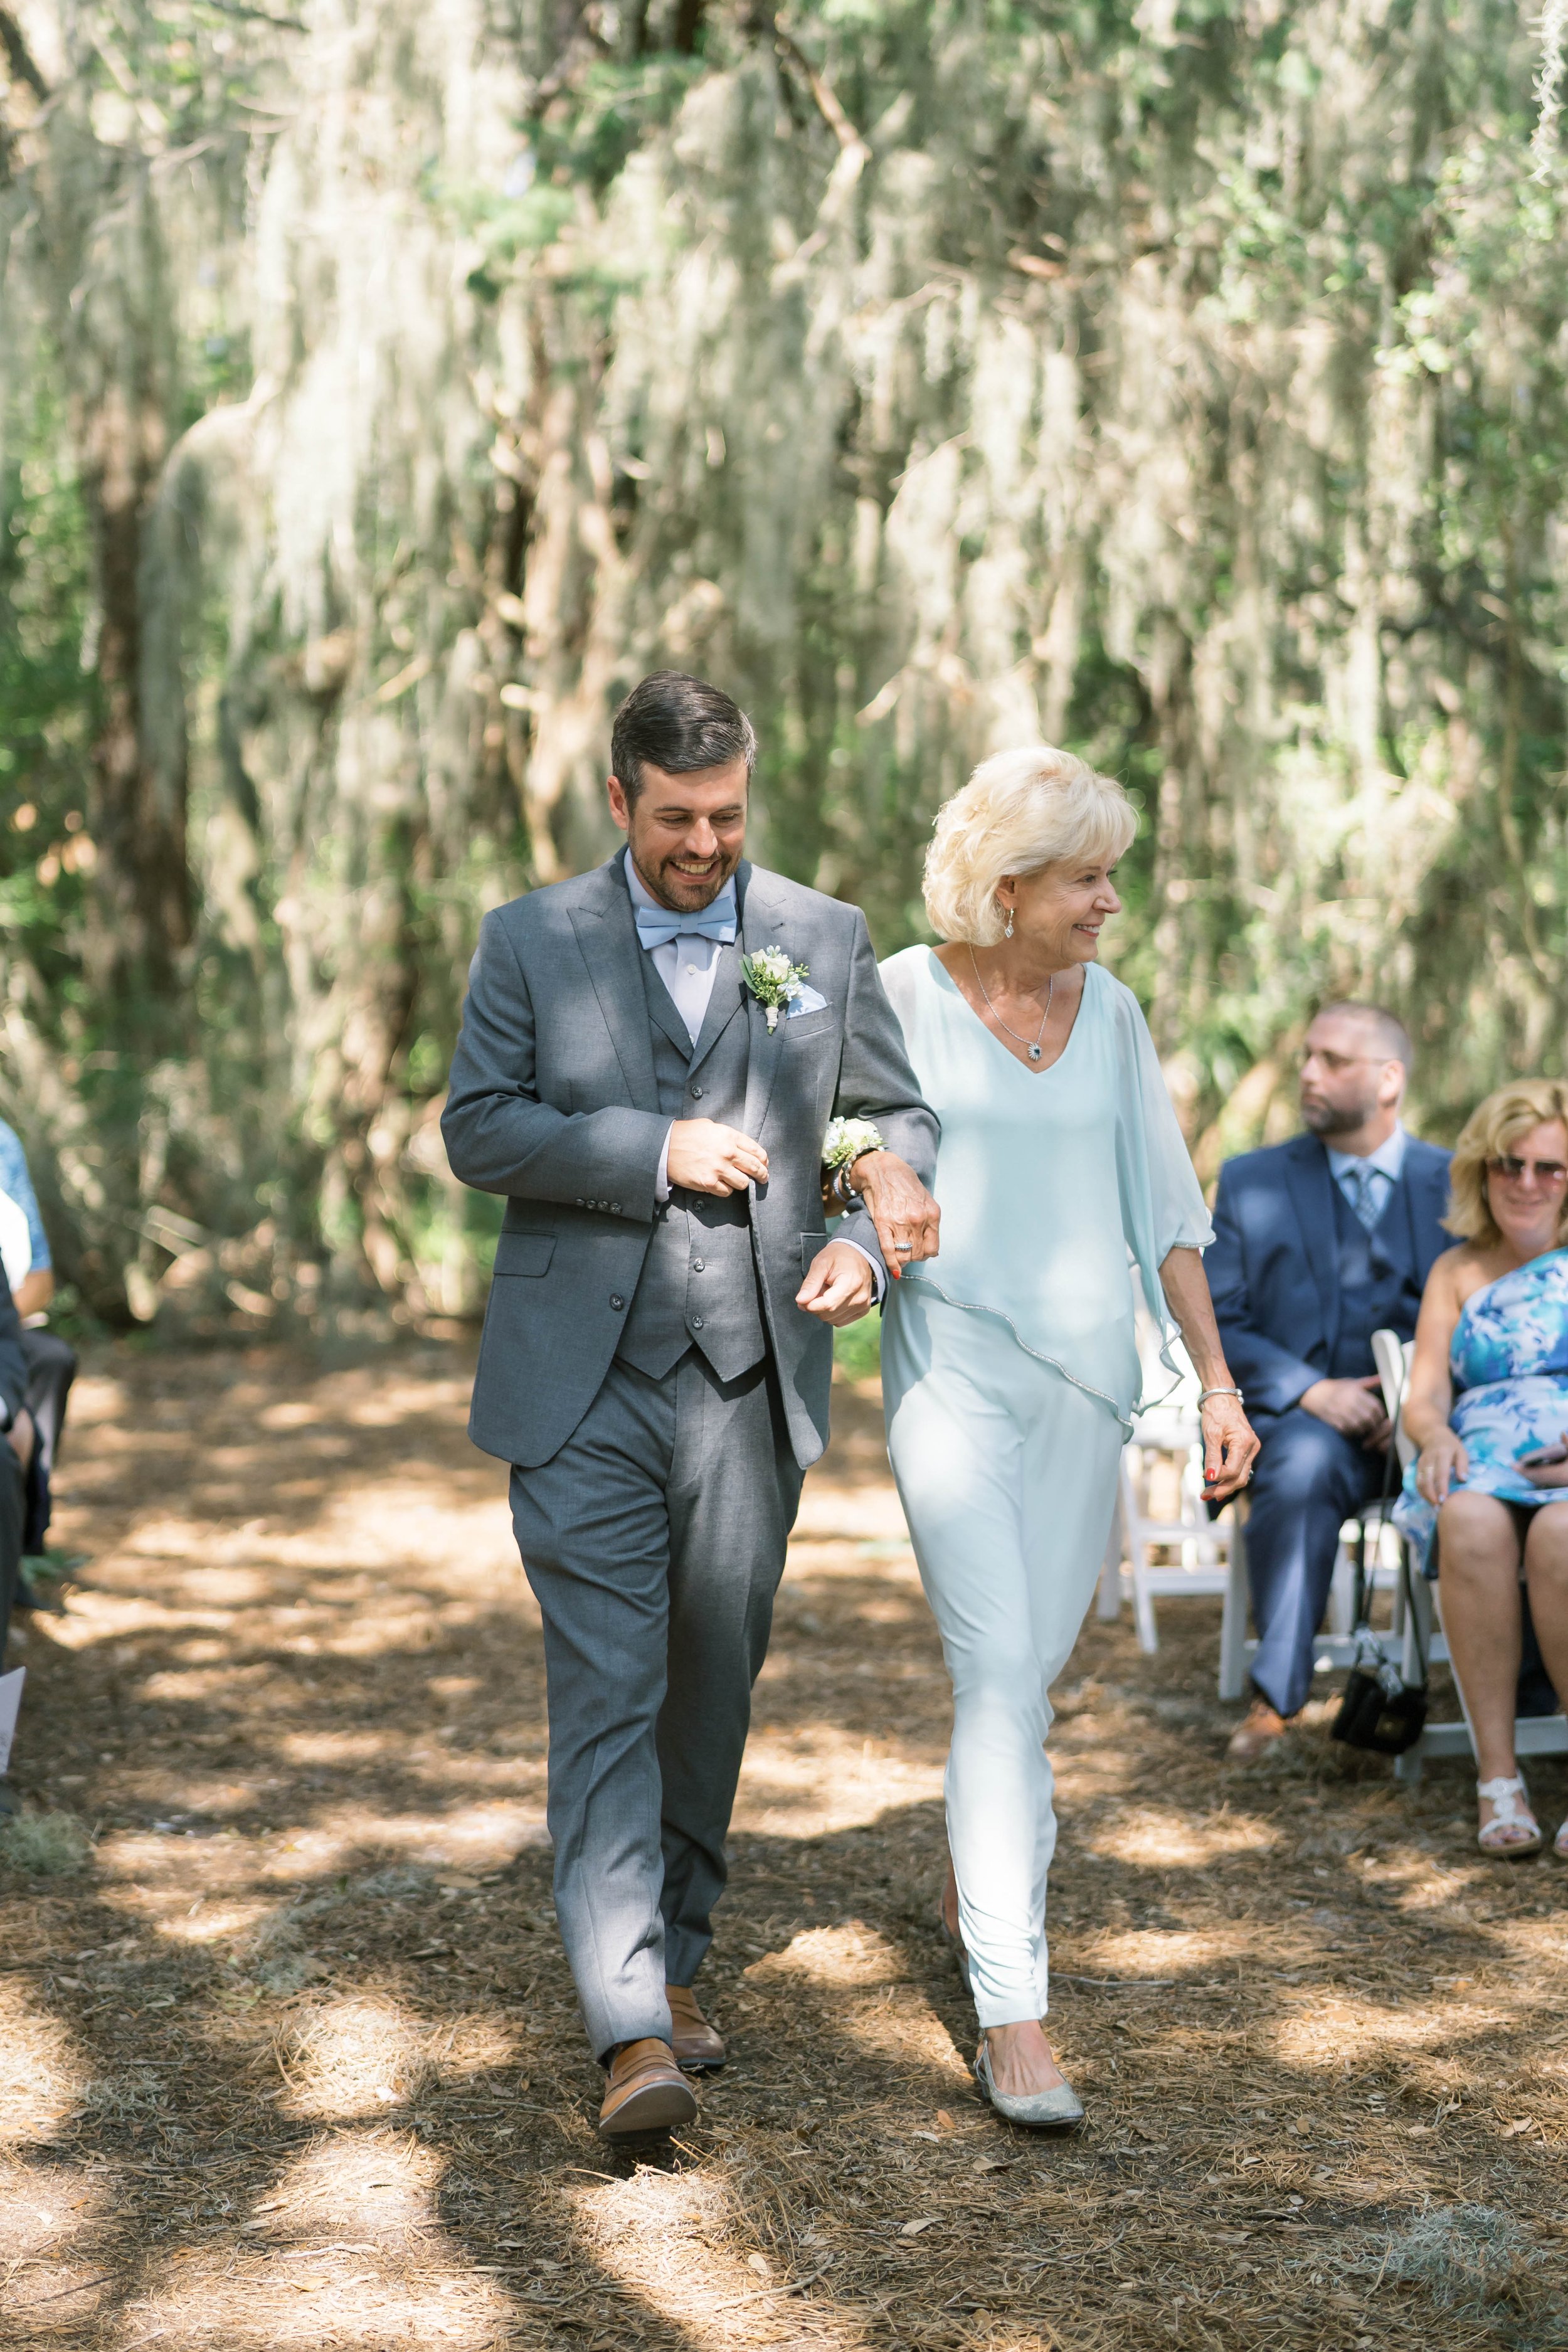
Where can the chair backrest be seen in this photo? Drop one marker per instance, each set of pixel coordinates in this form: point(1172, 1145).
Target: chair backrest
point(1393, 1355)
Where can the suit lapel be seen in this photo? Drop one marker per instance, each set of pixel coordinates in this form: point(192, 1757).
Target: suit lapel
point(1313, 1190)
point(1426, 1182)
point(724, 1002)
point(764, 924)
point(607, 936)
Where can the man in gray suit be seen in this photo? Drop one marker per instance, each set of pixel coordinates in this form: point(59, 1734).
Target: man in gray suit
point(658, 1351)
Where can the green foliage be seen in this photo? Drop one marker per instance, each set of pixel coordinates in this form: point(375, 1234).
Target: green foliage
point(1182, 382)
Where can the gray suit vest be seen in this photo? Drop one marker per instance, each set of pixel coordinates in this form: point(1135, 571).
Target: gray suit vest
point(698, 1282)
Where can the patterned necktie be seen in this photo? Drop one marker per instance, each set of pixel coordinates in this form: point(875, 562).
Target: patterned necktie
point(655, 928)
point(1365, 1194)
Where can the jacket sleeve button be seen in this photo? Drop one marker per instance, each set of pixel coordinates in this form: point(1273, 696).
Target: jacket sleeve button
point(582, 1204)
point(615, 1208)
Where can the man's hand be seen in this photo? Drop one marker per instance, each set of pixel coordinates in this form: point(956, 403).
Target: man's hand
point(902, 1209)
point(1352, 1407)
point(707, 1157)
point(837, 1285)
point(21, 1436)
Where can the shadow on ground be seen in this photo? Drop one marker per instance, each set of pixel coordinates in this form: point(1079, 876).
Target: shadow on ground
point(293, 2058)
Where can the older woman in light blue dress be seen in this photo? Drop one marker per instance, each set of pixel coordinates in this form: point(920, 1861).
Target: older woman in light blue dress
point(1010, 1369)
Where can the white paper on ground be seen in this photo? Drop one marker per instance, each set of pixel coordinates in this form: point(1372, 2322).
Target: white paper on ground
point(10, 1705)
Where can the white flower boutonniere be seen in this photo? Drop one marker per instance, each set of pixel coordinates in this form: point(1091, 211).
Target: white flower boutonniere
point(772, 981)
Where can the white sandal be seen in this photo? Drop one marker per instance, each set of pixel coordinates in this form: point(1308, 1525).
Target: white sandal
point(1509, 1814)
point(1560, 1843)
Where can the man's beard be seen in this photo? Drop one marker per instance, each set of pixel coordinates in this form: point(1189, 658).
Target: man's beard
point(659, 885)
point(1327, 1118)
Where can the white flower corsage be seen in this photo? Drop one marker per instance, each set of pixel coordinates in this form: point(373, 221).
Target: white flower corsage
point(773, 980)
point(845, 1140)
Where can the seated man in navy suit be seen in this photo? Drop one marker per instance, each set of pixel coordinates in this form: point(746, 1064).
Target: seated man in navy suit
point(1317, 1244)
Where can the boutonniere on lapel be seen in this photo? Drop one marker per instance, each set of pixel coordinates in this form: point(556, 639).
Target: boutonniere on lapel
point(774, 981)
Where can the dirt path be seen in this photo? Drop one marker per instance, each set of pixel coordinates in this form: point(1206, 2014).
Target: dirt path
point(292, 2059)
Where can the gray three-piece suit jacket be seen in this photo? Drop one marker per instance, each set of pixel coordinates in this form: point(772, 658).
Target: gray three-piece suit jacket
point(561, 1094)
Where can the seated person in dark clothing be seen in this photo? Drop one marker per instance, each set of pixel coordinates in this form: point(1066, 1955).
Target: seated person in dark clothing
point(51, 1362)
point(15, 1454)
point(1317, 1244)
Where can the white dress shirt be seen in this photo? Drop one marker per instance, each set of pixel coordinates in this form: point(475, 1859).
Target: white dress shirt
point(687, 965)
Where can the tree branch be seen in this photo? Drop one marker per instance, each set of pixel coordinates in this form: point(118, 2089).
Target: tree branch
point(20, 57)
point(821, 90)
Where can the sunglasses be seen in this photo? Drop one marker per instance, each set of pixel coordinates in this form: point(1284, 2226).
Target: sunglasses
point(1547, 1174)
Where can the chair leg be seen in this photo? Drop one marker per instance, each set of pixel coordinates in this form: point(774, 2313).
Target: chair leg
point(1109, 1605)
point(1417, 1628)
point(1342, 1594)
point(1142, 1598)
point(1232, 1621)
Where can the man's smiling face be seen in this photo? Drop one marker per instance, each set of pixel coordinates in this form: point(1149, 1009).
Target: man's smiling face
point(686, 833)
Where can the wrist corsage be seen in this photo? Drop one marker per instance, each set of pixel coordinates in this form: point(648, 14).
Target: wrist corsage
point(774, 981)
point(845, 1141)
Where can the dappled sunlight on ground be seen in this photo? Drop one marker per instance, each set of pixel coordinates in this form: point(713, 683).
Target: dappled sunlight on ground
point(295, 2059)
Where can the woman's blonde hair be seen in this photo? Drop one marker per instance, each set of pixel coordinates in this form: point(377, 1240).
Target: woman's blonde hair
point(1019, 811)
point(1489, 1133)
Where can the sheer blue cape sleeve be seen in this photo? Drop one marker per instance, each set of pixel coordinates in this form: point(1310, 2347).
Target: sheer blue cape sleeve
point(1163, 1206)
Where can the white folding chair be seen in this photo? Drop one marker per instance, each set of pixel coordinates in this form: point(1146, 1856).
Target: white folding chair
point(1171, 1435)
point(1534, 1734)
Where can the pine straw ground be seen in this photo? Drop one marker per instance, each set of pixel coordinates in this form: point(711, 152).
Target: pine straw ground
point(291, 2059)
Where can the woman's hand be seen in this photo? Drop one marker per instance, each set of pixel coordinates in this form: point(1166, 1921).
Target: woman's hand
point(905, 1215)
point(1549, 1467)
point(1442, 1462)
point(1230, 1448)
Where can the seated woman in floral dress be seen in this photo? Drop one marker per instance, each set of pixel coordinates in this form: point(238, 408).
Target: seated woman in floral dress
point(1487, 1499)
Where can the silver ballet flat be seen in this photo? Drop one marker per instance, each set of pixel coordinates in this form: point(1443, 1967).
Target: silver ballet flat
point(1055, 2110)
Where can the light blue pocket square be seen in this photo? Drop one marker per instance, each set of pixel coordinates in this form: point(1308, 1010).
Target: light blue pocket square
point(808, 1001)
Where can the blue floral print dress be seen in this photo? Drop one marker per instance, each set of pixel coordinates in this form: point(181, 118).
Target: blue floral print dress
point(1508, 1359)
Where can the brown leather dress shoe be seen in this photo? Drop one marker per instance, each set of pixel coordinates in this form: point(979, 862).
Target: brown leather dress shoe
point(697, 2045)
point(647, 2092)
point(1255, 1733)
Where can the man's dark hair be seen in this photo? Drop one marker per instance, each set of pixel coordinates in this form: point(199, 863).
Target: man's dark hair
point(1393, 1036)
point(680, 724)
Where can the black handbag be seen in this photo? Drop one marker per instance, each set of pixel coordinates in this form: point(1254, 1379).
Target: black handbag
point(1379, 1710)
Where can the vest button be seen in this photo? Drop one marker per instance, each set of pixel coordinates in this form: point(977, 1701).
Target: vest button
point(616, 1301)
point(697, 1094)
point(697, 1322)
point(697, 1264)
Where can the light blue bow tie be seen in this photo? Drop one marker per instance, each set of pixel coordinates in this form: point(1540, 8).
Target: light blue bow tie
point(656, 929)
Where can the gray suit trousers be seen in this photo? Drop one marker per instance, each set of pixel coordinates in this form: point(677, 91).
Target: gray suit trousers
point(654, 1541)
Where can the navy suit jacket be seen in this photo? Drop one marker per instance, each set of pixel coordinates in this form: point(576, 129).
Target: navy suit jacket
point(1273, 1266)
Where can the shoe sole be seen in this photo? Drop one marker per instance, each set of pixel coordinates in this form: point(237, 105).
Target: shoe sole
point(659, 2108)
point(701, 2065)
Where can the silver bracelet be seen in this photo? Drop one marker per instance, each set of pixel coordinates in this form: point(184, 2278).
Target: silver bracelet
point(1204, 1394)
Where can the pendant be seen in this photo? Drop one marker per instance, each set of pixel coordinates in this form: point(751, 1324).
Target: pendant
point(1034, 1053)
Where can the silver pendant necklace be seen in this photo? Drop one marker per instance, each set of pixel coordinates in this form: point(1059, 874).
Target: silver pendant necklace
point(1033, 1051)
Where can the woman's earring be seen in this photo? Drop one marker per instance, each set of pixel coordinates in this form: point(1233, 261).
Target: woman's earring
point(1007, 926)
